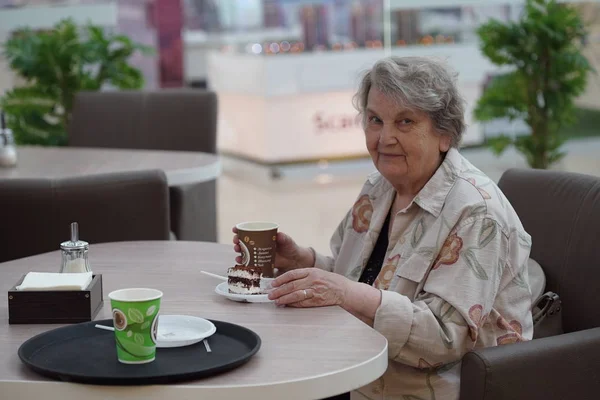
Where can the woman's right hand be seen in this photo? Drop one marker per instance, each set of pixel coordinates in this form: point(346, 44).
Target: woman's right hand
point(289, 255)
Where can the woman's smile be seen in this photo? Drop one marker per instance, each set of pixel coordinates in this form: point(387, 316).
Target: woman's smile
point(386, 155)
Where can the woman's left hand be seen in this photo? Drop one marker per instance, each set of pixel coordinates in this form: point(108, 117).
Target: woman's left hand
point(309, 287)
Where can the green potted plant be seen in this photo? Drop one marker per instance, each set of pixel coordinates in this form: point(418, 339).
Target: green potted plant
point(546, 72)
point(54, 65)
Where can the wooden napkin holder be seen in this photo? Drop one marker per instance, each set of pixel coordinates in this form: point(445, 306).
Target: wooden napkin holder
point(55, 307)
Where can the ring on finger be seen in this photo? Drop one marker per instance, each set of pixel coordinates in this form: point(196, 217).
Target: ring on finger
point(305, 294)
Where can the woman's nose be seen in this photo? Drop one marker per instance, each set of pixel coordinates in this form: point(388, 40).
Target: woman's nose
point(387, 136)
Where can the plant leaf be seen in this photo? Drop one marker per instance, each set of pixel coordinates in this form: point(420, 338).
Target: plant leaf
point(548, 70)
point(524, 240)
point(504, 97)
point(520, 281)
point(55, 64)
point(447, 340)
point(474, 264)
point(487, 233)
point(138, 338)
point(500, 267)
point(135, 315)
point(426, 252)
point(477, 210)
point(341, 229)
point(418, 233)
point(445, 315)
point(499, 144)
point(447, 367)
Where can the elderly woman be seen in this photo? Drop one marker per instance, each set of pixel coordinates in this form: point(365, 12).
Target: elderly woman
point(431, 255)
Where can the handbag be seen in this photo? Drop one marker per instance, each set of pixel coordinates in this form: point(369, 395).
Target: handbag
point(547, 316)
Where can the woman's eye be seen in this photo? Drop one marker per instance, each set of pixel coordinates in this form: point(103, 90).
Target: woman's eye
point(406, 121)
point(374, 120)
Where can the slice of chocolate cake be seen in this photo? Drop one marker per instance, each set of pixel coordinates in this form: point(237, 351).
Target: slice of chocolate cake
point(244, 280)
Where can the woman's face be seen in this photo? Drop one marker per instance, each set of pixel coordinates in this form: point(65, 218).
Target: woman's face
point(403, 143)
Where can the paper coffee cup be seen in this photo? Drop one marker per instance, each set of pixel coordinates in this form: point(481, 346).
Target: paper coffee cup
point(135, 319)
point(258, 241)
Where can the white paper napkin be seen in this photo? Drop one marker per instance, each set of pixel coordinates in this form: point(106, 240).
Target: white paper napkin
point(55, 281)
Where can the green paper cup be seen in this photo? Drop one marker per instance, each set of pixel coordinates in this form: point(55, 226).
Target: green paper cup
point(135, 318)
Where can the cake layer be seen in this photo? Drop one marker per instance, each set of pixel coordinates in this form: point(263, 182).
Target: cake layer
point(240, 271)
point(242, 288)
point(243, 281)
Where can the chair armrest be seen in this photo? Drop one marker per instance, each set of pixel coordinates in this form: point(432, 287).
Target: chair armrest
point(194, 211)
point(558, 367)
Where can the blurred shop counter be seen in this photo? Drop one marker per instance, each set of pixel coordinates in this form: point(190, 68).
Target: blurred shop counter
point(291, 108)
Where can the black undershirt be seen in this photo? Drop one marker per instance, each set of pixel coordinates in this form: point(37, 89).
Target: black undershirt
point(377, 257)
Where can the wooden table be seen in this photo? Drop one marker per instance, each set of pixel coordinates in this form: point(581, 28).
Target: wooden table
point(305, 354)
point(62, 162)
point(191, 175)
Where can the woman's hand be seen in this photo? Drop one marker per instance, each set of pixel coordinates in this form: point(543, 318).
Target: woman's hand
point(309, 287)
point(313, 287)
point(289, 255)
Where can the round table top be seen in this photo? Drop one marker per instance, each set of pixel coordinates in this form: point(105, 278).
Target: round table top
point(305, 353)
point(181, 167)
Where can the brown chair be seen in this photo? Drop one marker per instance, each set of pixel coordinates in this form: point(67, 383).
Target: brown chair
point(561, 211)
point(172, 119)
point(37, 213)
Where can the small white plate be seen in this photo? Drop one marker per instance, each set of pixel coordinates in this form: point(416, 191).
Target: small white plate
point(223, 290)
point(182, 330)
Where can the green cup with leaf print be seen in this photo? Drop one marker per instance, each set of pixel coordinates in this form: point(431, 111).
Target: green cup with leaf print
point(135, 318)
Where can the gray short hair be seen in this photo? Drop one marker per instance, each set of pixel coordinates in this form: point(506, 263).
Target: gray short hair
point(418, 83)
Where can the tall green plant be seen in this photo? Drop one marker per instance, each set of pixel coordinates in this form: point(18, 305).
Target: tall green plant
point(547, 72)
point(54, 66)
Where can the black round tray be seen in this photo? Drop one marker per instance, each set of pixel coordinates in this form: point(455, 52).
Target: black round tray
point(85, 354)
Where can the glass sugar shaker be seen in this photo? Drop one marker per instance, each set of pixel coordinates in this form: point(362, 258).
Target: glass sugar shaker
point(75, 253)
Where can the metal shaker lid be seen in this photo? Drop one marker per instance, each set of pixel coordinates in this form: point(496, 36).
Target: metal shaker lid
point(74, 243)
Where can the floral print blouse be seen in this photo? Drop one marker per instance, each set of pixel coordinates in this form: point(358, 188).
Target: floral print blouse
point(455, 276)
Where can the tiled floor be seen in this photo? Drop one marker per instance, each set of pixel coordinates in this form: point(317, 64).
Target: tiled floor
point(309, 201)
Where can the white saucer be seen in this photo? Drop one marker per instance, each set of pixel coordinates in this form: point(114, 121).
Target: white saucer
point(223, 290)
point(182, 330)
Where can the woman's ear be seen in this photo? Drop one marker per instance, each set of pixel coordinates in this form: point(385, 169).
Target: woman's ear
point(444, 143)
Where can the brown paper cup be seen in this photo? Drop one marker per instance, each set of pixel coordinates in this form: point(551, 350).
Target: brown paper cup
point(258, 241)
